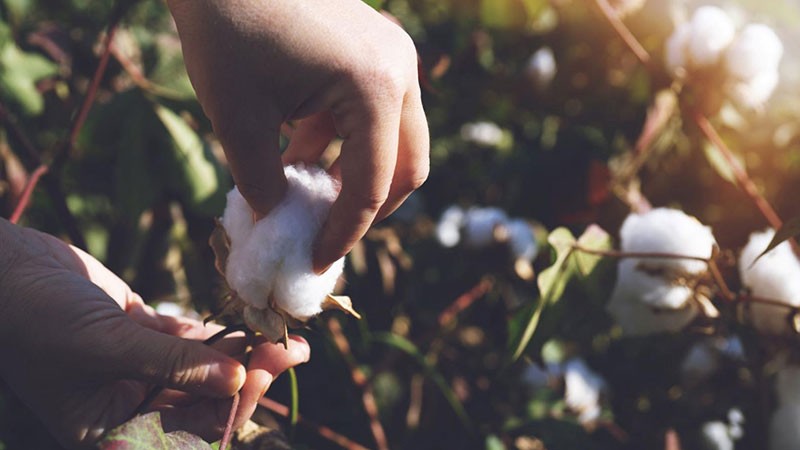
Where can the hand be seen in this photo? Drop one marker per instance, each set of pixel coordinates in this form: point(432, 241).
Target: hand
point(337, 67)
point(82, 350)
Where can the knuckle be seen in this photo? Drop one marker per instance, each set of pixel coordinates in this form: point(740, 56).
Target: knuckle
point(369, 201)
point(415, 178)
point(182, 371)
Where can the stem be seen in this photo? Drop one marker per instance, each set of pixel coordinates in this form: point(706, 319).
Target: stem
point(226, 437)
point(25, 197)
point(295, 411)
point(464, 301)
point(624, 32)
point(325, 432)
point(619, 254)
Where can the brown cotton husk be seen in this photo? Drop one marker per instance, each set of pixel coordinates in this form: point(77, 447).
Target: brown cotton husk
point(272, 322)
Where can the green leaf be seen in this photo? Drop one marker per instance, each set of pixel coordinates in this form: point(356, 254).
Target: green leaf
point(594, 238)
point(494, 443)
point(19, 72)
point(788, 230)
point(200, 182)
point(404, 345)
point(146, 433)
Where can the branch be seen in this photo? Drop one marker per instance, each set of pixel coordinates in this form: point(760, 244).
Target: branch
point(25, 197)
point(360, 380)
point(654, 255)
point(623, 32)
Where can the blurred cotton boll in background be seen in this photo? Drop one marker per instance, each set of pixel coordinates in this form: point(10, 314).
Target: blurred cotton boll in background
point(775, 276)
point(486, 134)
point(784, 433)
point(541, 68)
point(712, 30)
point(653, 294)
point(583, 388)
point(448, 230)
point(752, 60)
point(480, 226)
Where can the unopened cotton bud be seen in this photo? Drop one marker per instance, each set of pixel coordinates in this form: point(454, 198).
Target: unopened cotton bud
point(756, 50)
point(480, 225)
point(775, 276)
point(541, 67)
point(712, 30)
point(583, 387)
point(486, 134)
point(269, 263)
point(448, 230)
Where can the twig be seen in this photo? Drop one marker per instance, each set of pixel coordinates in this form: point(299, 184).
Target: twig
point(226, 436)
point(25, 197)
point(624, 32)
point(464, 301)
point(742, 179)
point(325, 432)
point(655, 255)
point(360, 380)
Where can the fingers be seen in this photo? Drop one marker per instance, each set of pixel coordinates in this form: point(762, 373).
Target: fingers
point(251, 147)
point(367, 163)
point(413, 160)
point(310, 139)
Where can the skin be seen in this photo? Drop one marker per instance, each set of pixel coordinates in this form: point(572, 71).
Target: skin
point(334, 67)
point(86, 349)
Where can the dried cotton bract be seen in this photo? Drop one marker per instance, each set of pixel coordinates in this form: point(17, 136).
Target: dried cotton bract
point(775, 276)
point(268, 262)
point(656, 294)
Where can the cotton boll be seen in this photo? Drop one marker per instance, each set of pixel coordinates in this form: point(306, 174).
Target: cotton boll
point(541, 68)
point(775, 276)
point(487, 134)
point(752, 93)
point(716, 436)
point(665, 230)
point(270, 262)
point(675, 51)
point(448, 230)
point(784, 434)
point(712, 30)
point(266, 321)
point(480, 224)
point(756, 50)
point(639, 318)
point(521, 240)
point(582, 389)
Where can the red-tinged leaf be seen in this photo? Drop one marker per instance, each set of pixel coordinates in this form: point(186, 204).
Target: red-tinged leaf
point(146, 433)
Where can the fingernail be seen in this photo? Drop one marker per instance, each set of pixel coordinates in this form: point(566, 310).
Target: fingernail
point(228, 378)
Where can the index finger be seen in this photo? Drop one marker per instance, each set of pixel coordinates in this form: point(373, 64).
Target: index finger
point(367, 163)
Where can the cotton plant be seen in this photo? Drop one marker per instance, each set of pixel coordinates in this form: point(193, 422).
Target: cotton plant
point(267, 262)
point(774, 276)
point(481, 227)
point(710, 54)
point(654, 295)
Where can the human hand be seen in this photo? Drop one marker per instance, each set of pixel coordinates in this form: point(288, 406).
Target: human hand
point(82, 350)
point(337, 67)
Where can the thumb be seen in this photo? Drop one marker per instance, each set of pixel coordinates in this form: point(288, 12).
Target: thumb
point(181, 364)
point(251, 144)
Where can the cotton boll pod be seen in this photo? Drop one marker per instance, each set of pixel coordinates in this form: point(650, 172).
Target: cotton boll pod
point(480, 225)
point(756, 50)
point(583, 388)
point(265, 321)
point(676, 50)
point(712, 30)
point(541, 68)
point(448, 230)
point(775, 276)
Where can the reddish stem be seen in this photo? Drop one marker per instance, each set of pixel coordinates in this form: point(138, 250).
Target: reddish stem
point(620, 254)
point(25, 197)
point(624, 32)
point(464, 301)
point(226, 436)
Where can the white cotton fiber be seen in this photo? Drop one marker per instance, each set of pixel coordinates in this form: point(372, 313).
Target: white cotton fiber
point(716, 436)
point(712, 30)
point(480, 224)
point(486, 134)
point(448, 230)
point(675, 51)
point(775, 276)
point(756, 50)
point(647, 297)
point(541, 68)
point(271, 259)
point(752, 93)
point(583, 387)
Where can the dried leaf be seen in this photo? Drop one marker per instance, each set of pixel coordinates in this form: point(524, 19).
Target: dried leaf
point(220, 243)
point(265, 321)
point(340, 302)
